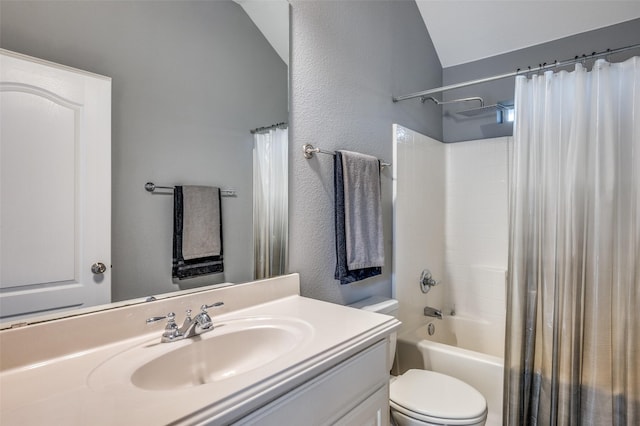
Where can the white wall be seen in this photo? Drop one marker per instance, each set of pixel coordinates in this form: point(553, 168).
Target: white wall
point(451, 216)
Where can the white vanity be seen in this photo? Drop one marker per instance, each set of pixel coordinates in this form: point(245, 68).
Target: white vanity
point(273, 358)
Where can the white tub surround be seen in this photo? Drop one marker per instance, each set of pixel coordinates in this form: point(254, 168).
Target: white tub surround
point(451, 217)
point(78, 370)
point(419, 175)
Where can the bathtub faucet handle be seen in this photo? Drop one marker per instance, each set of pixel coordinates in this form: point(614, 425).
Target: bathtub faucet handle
point(427, 281)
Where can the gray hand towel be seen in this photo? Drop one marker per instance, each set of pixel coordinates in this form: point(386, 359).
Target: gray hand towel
point(201, 229)
point(363, 210)
point(197, 232)
point(342, 272)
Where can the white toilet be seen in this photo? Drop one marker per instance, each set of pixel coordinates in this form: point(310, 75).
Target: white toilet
point(423, 397)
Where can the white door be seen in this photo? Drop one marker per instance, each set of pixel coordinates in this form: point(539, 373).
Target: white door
point(55, 187)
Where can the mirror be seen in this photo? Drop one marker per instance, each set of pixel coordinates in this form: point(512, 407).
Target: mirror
point(190, 79)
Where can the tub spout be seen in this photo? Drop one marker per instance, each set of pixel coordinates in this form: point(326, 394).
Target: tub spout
point(432, 312)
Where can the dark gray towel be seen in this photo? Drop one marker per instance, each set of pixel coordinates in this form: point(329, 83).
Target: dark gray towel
point(199, 201)
point(363, 210)
point(342, 272)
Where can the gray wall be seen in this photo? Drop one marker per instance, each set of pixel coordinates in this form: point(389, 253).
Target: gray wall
point(190, 78)
point(347, 60)
point(457, 128)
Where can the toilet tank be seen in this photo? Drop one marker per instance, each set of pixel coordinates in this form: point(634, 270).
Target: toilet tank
point(382, 305)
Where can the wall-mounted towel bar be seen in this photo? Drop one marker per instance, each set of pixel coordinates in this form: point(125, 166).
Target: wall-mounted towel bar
point(309, 150)
point(151, 187)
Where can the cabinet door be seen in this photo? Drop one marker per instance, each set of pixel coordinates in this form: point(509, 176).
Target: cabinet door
point(374, 411)
point(334, 394)
point(55, 187)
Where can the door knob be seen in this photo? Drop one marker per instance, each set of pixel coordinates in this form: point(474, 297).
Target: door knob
point(98, 268)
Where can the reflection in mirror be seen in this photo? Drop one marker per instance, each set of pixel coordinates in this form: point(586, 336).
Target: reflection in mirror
point(270, 201)
point(190, 79)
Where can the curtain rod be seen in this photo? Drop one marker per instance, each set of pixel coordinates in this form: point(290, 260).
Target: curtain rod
point(542, 67)
point(273, 126)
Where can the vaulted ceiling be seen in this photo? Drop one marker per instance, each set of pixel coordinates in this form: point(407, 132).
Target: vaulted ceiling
point(467, 30)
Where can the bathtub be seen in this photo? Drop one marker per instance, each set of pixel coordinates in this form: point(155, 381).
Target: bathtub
point(465, 348)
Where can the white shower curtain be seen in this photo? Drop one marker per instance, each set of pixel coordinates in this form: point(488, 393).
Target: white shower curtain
point(270, 202)
point(573, 322)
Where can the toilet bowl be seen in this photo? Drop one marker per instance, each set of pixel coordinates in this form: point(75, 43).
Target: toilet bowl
point(423, 397)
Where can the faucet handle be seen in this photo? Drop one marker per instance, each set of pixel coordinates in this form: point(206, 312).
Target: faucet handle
point(171, 330)
point(427, 281)
point(204, 308)
point(203, 320)
point(170, 316)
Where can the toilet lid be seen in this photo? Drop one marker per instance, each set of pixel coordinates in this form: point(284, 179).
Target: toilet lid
point(432, 394)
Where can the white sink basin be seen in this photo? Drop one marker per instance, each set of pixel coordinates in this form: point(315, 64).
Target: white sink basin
point(233, 348)
point(216, 358)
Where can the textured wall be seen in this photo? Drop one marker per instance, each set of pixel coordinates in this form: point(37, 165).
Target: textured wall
point(347, 60)
point(190, 78)
point(457, 128)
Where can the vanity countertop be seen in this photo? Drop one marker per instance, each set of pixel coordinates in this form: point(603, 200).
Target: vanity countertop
point(73, 389)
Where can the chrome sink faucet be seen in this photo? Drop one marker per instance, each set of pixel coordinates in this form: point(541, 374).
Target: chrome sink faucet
point(190, 327)
point(200, 324)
